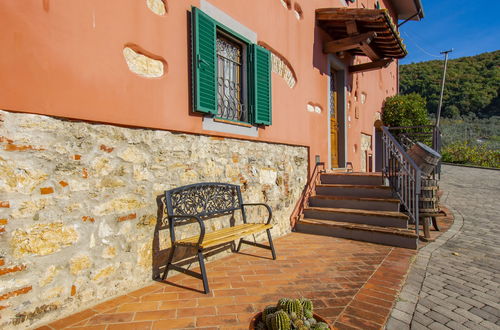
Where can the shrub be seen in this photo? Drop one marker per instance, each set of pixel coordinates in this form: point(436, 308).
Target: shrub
point(405, 110)
point(464, 152)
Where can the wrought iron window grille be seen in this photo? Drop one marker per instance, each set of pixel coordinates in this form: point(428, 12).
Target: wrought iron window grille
point(230, 76)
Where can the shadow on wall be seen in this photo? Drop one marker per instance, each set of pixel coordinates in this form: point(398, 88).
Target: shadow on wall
point(320, 59)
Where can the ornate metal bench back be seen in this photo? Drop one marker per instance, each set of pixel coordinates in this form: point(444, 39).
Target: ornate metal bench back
point(204, 199)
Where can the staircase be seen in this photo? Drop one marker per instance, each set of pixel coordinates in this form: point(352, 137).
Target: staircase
point(355, 206)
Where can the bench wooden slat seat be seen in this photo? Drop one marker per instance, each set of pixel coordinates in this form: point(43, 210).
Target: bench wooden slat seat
point(225, 235)
point(202, 201)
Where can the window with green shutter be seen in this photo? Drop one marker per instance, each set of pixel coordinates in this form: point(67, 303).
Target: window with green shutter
point(231, 76)
point(260, 83)
point(204, 63)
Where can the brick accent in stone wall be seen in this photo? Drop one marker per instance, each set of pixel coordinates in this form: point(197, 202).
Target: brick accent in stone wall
point(78, 205)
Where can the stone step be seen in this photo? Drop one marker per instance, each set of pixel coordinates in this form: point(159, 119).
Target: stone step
point(352, 202)
point(382, 235)
point(354, 190)
point(369, 217)
point(374, 179)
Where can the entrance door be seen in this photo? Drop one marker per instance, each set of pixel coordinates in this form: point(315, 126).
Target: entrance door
point(334, 125)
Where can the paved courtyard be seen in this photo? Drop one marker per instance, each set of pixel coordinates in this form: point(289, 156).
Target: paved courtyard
point(455, 281)
point(352, 284)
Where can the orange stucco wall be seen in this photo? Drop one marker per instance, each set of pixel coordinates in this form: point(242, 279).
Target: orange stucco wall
point(64, 58)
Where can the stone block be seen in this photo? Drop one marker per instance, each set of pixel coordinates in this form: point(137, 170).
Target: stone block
point(103, 273)
point(471, 301)
point(438, 317)
point(422, 319)
point(475, 326)
point(484, 314)
point(489, 325)
point(417, 326)
point(470, 316)
point(48, 277)
point(449, 313)
point(456, 326)
point(406, 307)
point(395, 324)
point(79, 263)
point(143, 65)
point(437, 326)
point(401, 316)
point(42, 239)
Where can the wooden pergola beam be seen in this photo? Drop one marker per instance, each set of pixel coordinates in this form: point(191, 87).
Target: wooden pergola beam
point(352, 30)
point(346, 14)
point(351, 27)
point(369, 51)
point(370, 66)
point(345, 23)
point(348, 43)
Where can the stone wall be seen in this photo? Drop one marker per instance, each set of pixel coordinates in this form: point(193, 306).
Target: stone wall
point(78, 205)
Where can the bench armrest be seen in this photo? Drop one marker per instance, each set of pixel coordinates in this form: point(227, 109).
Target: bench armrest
point(173, 218)
point(262, 204)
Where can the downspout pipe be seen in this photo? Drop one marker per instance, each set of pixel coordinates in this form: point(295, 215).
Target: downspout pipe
point(409, 19)
point(420, 8)
point(419, 13)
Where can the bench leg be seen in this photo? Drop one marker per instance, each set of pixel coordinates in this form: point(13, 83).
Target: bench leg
point(169, 263)
point(203, 271)
point(239, 245)
point(271, 244)
point(270, 247)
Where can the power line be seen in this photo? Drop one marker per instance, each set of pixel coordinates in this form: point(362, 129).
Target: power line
point(421, 49)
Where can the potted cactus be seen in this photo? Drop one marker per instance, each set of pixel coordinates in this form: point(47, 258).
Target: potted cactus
point(289, 314)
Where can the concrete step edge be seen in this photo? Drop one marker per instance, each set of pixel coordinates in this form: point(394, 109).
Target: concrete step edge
point(363, 199)
point(354, 226)
point(358, 186)
point(360, 212)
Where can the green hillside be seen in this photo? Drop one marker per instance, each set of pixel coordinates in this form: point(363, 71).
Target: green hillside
point(472, 85)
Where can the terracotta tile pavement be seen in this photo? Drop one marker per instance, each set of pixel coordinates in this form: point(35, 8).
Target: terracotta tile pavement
point(352, 284)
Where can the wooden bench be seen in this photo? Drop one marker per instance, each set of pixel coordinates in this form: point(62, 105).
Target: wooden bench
point(201, 201)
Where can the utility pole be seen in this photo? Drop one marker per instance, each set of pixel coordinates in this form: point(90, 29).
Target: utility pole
point(442, 85)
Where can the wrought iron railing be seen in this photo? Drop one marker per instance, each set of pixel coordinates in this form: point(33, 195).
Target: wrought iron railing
point(430, 135)
point(308, 190)
point(402, 174)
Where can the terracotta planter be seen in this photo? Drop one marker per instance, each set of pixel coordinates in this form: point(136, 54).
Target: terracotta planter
point(257, 317)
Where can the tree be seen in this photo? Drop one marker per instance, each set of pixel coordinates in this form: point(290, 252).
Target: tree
point(405, 110)
point(472, 84)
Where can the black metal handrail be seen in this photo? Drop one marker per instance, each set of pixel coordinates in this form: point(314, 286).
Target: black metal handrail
point(402, 173)
point(306, 193)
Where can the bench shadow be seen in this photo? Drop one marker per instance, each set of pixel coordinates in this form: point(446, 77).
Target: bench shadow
point(180, 286)
point(253, 255)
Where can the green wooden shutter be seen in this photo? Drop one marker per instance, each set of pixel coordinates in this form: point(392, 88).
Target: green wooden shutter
point(204, 62)
point(260, 84)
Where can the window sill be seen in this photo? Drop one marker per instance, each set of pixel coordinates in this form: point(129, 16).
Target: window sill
point(228, 126)
point(237, 123)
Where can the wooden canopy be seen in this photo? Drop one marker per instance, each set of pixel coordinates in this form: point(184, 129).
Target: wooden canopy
point(361, 31)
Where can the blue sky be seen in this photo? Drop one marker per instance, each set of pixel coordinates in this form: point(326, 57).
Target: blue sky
point(469, 27)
